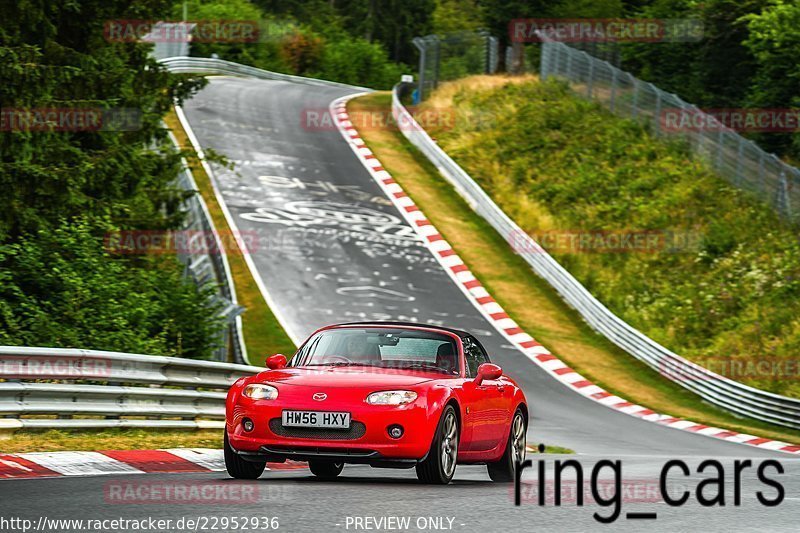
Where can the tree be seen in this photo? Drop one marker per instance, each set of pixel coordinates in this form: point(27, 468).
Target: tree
point(55, 55)
point(774, 41)
point(393, 23)
point(456, 15)
point(65, 186)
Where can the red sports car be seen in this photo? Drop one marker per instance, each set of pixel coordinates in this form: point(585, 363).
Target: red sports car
point(387, 394)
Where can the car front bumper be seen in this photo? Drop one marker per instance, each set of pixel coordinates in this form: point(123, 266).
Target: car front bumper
point(367, 440)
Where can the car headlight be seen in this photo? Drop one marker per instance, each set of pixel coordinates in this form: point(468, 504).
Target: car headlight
point(392, 397)
point(260, 391)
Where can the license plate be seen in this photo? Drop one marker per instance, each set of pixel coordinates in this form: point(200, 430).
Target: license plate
point(316, 419)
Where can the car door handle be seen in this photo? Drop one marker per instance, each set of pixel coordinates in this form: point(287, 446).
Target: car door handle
point(501, 388)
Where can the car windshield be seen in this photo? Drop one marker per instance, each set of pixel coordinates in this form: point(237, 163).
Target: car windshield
point(381, 347)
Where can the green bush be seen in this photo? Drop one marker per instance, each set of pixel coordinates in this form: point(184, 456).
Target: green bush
point(358, 62)
point(266, 53)
point(291, 47)
point(61, 288)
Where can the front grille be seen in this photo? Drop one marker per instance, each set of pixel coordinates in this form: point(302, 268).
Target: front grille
point(356, 431)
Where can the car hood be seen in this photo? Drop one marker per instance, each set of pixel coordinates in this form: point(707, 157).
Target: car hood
point(347, 377)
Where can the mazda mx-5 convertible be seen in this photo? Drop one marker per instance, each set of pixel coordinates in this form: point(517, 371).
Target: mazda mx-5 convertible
point(387, 394)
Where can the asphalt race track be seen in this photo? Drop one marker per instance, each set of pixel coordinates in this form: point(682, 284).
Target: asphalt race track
point(330, 247)
point(475, 504)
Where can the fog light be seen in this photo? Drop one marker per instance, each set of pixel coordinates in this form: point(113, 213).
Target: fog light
point(247, 424)
point(396, 431)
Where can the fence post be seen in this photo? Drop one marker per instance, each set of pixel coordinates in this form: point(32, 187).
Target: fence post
point(493, 51)
point(635, 105)
point(423, 52)
point(613, 84)
point(720, 145)
point(486, 54)
point(437, 62)
point(761, 177)
point(739, 166)
point(698, 135)
point(590, 78)
point(557, 51)
point(784, 205)
point(657, 116)
point(569, 65)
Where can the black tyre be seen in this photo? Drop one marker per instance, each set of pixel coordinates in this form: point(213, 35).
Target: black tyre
point(503, 470)
point(325, 469)
point(440, 464)
point(239, 468)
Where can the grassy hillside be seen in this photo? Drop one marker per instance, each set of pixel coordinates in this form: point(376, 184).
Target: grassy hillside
point(719, 279)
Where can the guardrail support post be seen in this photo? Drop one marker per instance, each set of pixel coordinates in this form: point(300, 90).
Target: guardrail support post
point(420, 44)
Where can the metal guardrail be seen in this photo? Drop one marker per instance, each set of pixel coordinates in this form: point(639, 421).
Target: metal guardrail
point(714, 388)
point(201, 65)
point(104, 389)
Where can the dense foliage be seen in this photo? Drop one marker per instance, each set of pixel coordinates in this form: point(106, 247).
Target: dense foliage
point(560, 165)
point(746, 59)
point(64, 189)
point(297, 39)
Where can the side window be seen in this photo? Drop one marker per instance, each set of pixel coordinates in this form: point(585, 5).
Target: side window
point(474, 355)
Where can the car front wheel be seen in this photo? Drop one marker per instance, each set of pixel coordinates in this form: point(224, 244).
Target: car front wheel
point(239, 468)
point(503, 470)
point(440, 464)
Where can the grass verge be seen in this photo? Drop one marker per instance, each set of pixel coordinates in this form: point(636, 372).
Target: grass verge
point(263, 334)
point(551, 449)
point(528, 299)
point(109, 439)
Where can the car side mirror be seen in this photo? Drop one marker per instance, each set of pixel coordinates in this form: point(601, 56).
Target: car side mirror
point(488, 371)
point(274, 362)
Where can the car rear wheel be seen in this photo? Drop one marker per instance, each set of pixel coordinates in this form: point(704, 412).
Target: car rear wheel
point(325, 469)
point(440, 464)
point(503, 470)
point(239, 468)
